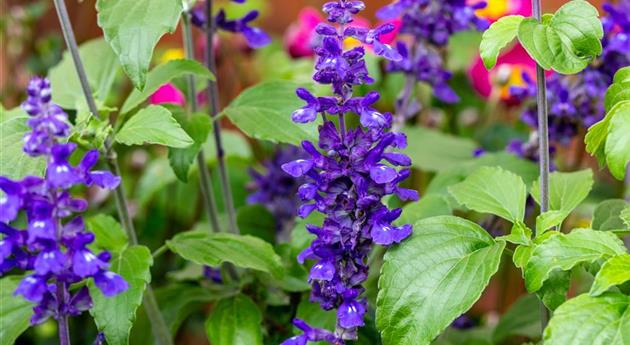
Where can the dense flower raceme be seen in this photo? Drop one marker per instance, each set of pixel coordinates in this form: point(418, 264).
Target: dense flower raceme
point(429, 26)
point(577, 101)
point(53, 248)
point(255, 37)
point(347, 174)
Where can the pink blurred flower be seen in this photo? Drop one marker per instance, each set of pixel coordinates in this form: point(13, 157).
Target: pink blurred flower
point(499, 8)
point(389, 38)
point(299, 37)
point(167, 93)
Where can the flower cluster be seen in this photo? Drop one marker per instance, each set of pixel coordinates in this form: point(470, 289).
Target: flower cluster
point(429, 24)
point(577, 101)
point(255, 37)
point(54, 247)
point(348, 173)
point(276, 190)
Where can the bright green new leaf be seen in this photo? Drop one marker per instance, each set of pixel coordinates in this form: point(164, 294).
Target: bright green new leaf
point(497, 37)
point(133, 28)
point(615, 271)
point(432, 278)
point(153, 125)
point(436, 151)
point(565, 251)
point(607, 215)
point(618, 142)
point(598, 133)
point(493, 190)
point(566, 42)
point(108, 233)
point(15, 311)
point(264, 112)
point(14, 163)
point(619, 91)
point(101, 67)
point(625, 216)
point(602, 320)
point(235, 321)
point(115, 315)
point(520, 234)
point(522, 319)
point(429, 205)
point(549, 219)
point(198, 127)
point(214, 249)
point(163, 74)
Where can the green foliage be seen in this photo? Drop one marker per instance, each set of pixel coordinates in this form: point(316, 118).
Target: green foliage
point(214, 249)
point(522, 319)
point(15, 311)
point(101, 67)
point(133, 28)
point(602, 320)
point(498, 36)
point(432, 278)
point(495, 191)
point(257, 221)
point(14, 163)
point(235, 321)
point(436, 151)
point(153, 125)
point(618, 142)
point(109, 235)
point(608, 215)
point(114, 316)
point(197, 126)
point(264, 112)
point(430, 205)
point(615, 271)
point(163, 74)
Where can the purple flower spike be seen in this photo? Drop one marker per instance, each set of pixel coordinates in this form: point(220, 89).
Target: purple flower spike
point(298, 167)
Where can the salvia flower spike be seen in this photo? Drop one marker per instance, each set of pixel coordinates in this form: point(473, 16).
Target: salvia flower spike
point(54, 247)
point(348, 172)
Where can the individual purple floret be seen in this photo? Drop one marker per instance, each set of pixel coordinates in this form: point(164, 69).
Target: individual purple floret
point(54, 246)
point(348, 172)
point(256, 38)
point(277, 190)
point(429, 26)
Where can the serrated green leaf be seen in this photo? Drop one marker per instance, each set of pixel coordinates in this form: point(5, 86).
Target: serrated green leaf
point(114, 316)
point(520, 234)
point(214, 249)
point(522, 319)
point(625, 216)
point(235, 321)
point(101, 67)
point(133, 28)
point(161, 75)
point(608, 215)
point(615, 271)
point(597, 134)
point(436, 151)
point(619, 91)
point(549, 219)
point(432, 278)
point(109, 235)
point(15, 311)
point(14, 163)
point(554, 290)
point(153, 125)
point(430, 205)
point(617, 147)
point(602, 320)
point(565, 251)
point(198, 127)
point(264, 112)
point(497, 37)
point(566, 42)
point(495, 191)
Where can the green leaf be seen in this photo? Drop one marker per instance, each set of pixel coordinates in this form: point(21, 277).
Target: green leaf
point(133, 28)
point(15, 311)
point(603, 320)
point(522, 319)
point(497, 37)
point(495, 191)
point(430, 205)
point(163, 74)
point(257, 221)
point(264, 112)
point(235, 146)
point(153, 125)
point(520, 234)
point(549, 219)
point(554, 290)
point(615, 271)
point(14, 163)
point(214, 249)
point(114, 316)
point(315, 316)
point(566, 42)
point(109, 235)
point(618, 142)
point(436, 151)
point(625, 216)
point(198, 127)
point(620, 89)
point(432, 278)
point(235, 321)
point(101, 67)
point(607, 215)
point(565, 251)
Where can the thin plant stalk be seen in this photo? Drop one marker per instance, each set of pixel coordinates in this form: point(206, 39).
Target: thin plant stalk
point(64, 330)
point(158, 325)
point(205, 181)
point(213, 100)
point(543, 143)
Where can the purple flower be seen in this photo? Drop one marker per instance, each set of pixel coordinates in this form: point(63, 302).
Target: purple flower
point(52, 248)
point(346, 175)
